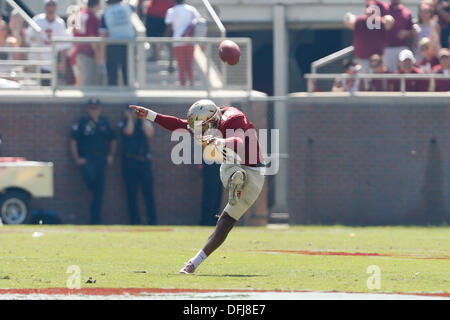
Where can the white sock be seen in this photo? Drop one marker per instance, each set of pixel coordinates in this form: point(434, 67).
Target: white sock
point(199, 257)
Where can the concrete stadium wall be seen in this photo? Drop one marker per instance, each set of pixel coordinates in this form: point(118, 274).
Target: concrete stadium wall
point(39, 129)
point(369, 159)
point(366, 159)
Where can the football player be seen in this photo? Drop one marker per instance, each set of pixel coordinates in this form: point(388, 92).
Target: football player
point(244, 179)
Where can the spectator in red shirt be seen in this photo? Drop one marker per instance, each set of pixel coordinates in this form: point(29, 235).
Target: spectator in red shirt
point(406, 64)
point(179, 20)
point(384, 7)
point(443, 68)
point(429, 60)
point(369, 34)
point(72, 71)
point(397, 37)
point(89, 57)
point(154, 22)
point(378, 67)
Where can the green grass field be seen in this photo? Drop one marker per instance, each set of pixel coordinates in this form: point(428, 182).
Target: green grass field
point(417, 259)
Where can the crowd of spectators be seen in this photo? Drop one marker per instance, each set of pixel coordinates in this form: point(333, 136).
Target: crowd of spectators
point(382, 36)
point(97, 64)
point(387, 40)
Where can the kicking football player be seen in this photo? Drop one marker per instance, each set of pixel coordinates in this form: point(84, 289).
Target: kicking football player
point(243, 180)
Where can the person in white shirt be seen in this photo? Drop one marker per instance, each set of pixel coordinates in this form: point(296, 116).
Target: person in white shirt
point(179, 21)
point(51, 26)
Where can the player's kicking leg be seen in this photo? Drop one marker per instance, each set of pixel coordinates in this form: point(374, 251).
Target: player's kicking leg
point(223, 227)
point(243, 192)
point(235, 186)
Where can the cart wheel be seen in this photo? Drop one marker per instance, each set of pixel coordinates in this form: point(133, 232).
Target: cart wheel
point(14, 208)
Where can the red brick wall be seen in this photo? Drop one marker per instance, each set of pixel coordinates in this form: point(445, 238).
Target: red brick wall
point(41, 132)
point(382, 161)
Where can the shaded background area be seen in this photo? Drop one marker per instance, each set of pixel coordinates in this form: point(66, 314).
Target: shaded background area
point(369, 162)
point(41, 132)
point(306, 46)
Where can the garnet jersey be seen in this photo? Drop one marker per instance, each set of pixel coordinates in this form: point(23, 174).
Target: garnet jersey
point(86, 25)
point(238, 132)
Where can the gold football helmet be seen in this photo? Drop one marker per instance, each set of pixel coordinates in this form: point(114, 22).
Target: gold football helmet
point(205, 113)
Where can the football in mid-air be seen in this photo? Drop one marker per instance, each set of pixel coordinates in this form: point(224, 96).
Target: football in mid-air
point(229, 52)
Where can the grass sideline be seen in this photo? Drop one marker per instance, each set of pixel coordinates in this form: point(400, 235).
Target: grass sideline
point(415, 259)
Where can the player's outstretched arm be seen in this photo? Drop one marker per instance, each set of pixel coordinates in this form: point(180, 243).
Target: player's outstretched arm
point(168, 122)
point(144, 113)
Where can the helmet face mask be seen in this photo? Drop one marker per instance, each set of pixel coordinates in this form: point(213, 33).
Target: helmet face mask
point(203, 113)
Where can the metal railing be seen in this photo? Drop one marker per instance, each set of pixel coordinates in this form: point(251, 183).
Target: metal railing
point(26, 73)
point(402, 77)
point(331, 63)
point(214, 72)
point(210, 74)
point(220, 27)
point(140, 29)
point(215, 17)
point(331, 58)
point(24, 15)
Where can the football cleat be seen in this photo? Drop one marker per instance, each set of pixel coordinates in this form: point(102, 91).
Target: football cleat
point(235, 186)
point(188, 268)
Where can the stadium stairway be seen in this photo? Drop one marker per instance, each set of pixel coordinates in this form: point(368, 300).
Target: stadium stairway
point(159, 76)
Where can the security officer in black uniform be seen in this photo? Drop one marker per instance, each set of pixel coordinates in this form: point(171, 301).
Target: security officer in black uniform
point(136, 164)
point(93, 145)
